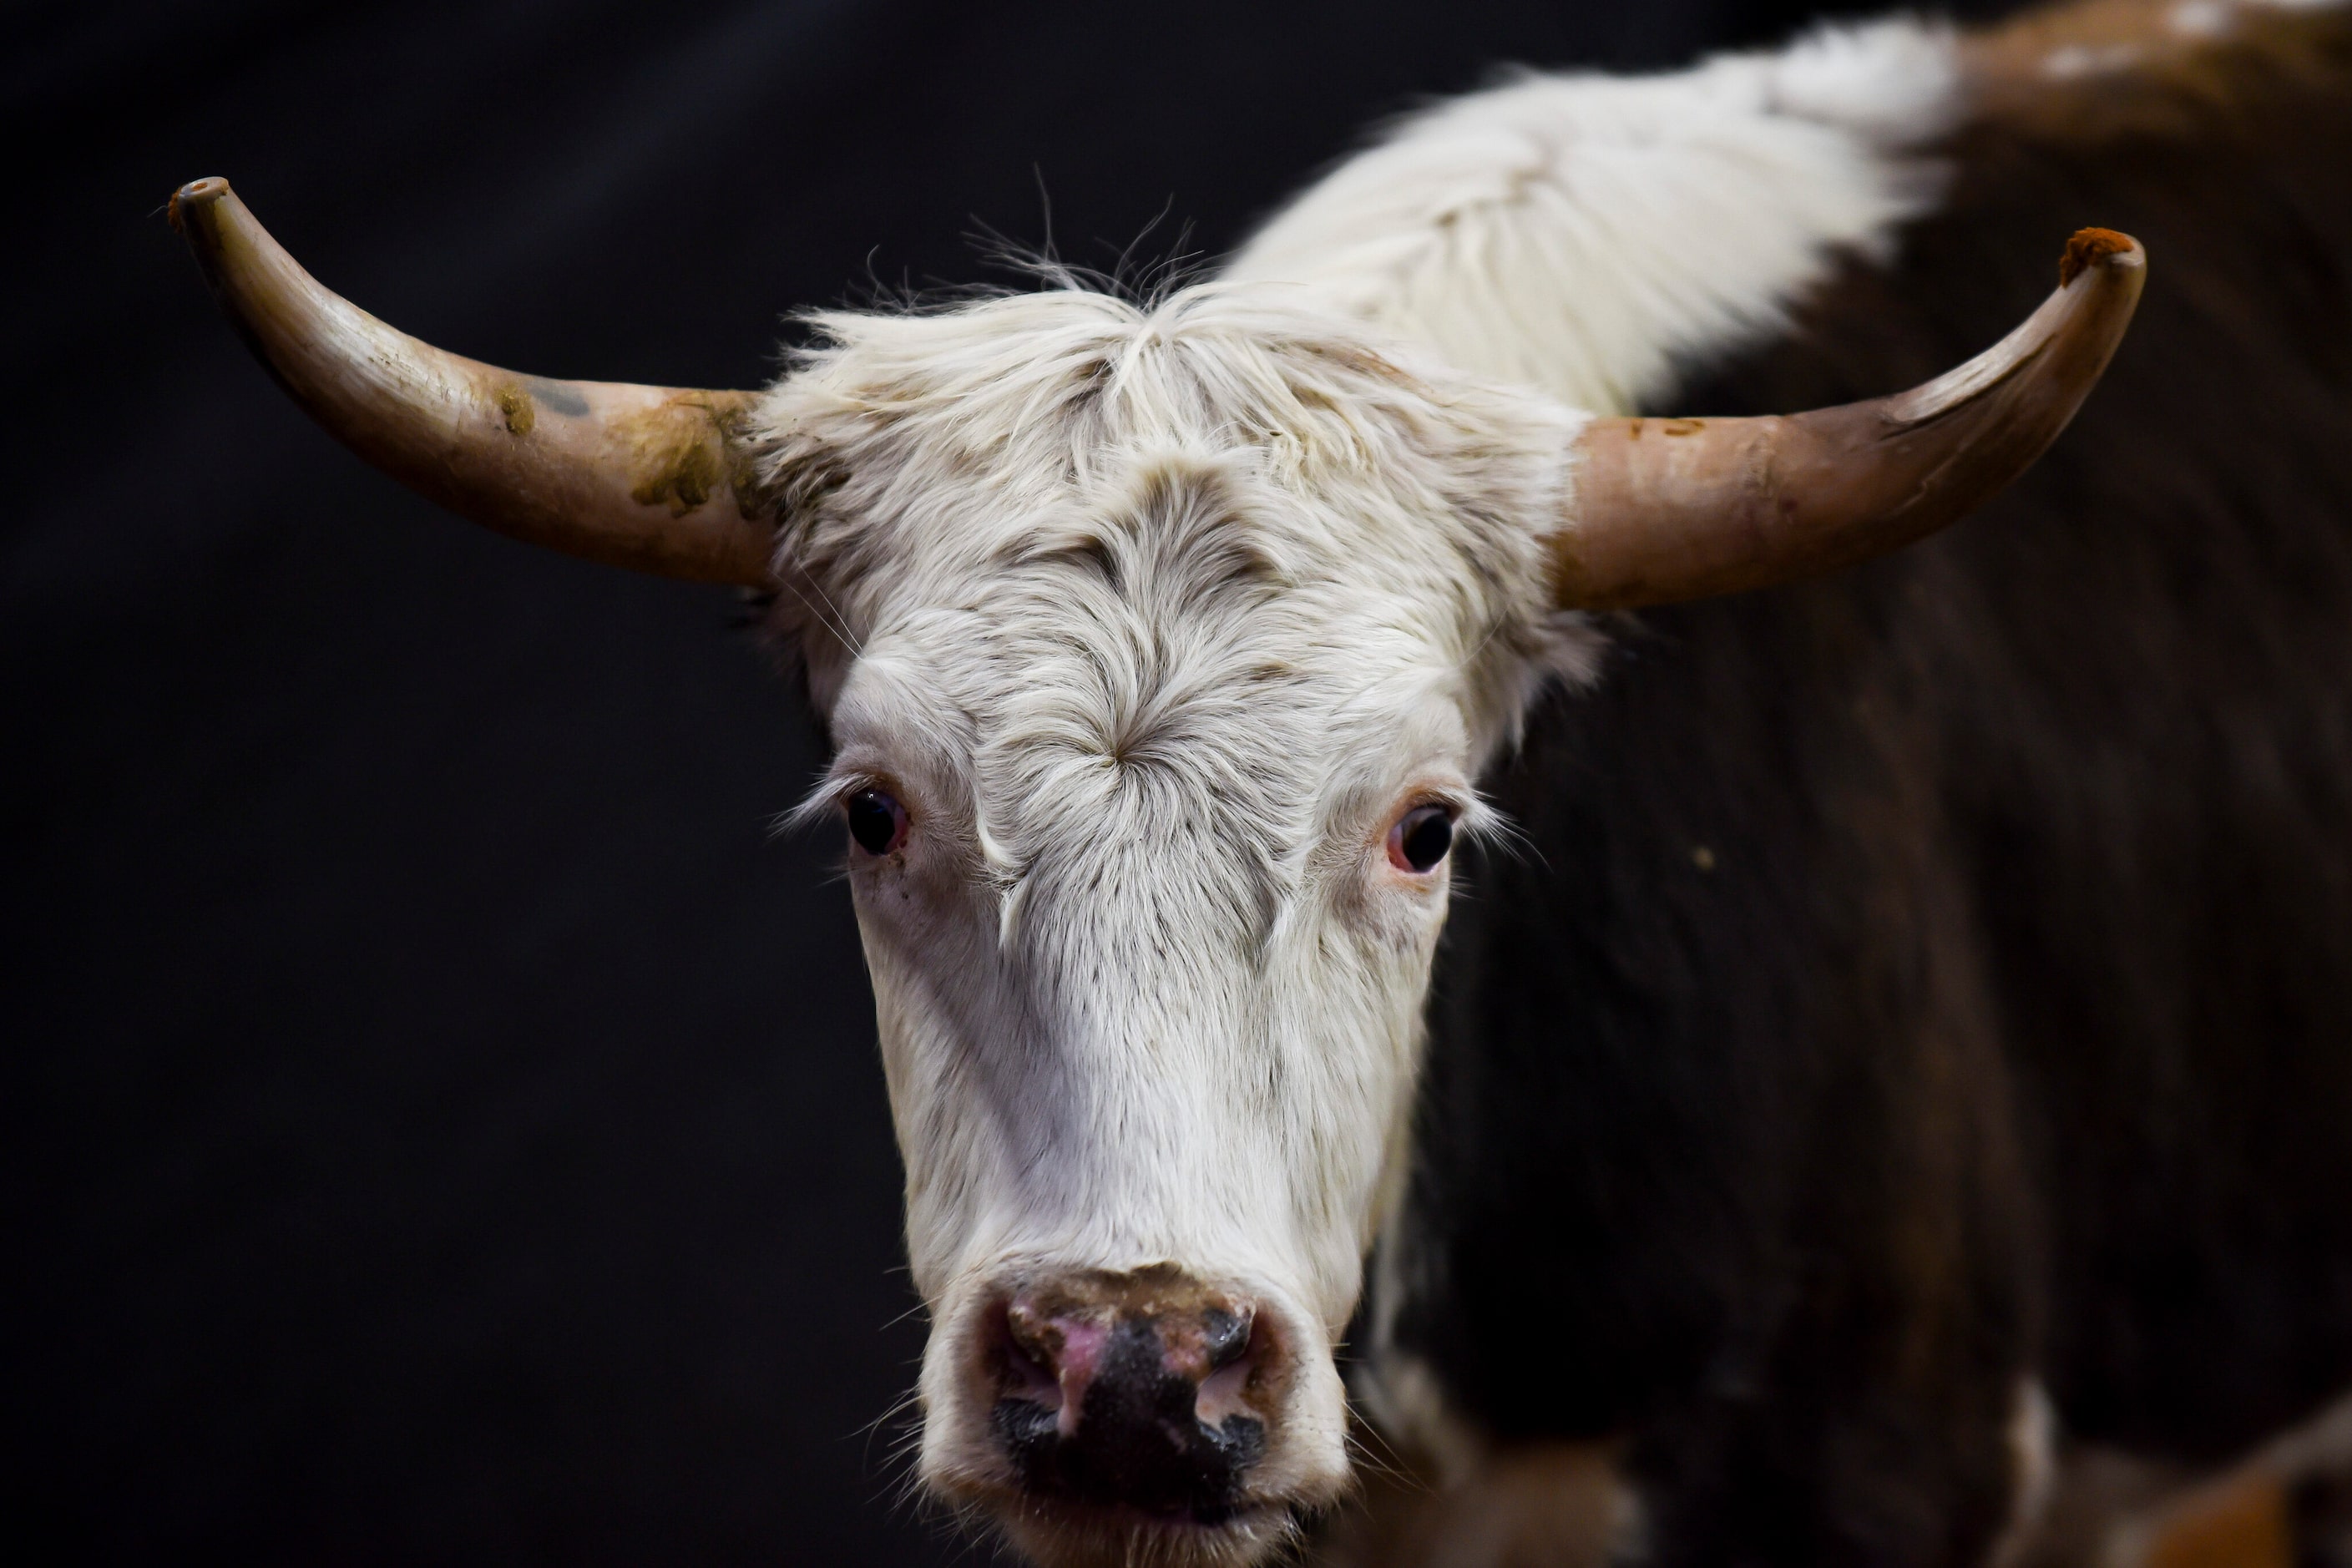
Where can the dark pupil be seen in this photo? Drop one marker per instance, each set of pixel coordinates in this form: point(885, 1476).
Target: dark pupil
point(1428, 835)
point(873, 821)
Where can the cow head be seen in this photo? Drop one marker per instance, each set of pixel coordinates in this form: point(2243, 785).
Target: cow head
point(1161, 646)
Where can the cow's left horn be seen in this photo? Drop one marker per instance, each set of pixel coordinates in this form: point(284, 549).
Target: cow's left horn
point(1684, 508)
point(643, 477)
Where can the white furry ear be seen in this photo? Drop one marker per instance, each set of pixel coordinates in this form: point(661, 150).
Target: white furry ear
point(1589, 234)
point(1564, 650)
point(1570, 647)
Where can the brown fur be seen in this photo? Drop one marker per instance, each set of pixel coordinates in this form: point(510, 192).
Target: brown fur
point(2000, 1032)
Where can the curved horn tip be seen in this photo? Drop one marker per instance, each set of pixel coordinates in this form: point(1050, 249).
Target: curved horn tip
point(636, 476)
point(2090, 248)
point(1747, 503)
point(196, 193)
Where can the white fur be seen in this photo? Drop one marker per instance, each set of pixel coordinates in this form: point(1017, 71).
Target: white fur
point(1589, 234)
point(2034, 1470)
point(2162, 31)
point(1156, 616)
point(2218, 18)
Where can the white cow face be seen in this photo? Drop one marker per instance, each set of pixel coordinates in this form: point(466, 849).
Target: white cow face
point(1160, 648)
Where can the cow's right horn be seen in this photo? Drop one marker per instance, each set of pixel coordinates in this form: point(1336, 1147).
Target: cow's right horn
point(643, 477)
point(1684, 508)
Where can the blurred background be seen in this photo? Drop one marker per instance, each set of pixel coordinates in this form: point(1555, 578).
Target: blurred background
point(441, 1119)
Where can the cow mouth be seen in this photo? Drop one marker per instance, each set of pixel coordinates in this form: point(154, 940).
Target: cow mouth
point(1058, 1533)
point(1054, 1525)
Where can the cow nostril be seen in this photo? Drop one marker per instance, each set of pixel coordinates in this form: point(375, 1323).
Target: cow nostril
point(1226, 1336)
point(1026, 1329)
point(1027, 1357)
point(1233, 1355)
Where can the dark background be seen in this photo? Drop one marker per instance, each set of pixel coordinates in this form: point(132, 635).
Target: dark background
point(440, 1121)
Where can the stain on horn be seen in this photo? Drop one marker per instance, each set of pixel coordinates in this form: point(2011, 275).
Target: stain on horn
point(1667, 510)
point(649, 477)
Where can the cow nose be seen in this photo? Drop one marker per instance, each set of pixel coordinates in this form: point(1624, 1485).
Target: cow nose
point(1134, 1396)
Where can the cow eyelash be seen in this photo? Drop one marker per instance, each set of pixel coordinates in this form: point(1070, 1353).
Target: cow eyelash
point(832, 795)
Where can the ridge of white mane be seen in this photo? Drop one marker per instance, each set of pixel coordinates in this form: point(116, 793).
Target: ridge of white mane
point(1591, 234)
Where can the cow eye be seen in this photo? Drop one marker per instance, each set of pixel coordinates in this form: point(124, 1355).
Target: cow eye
point(877, 821)
point(1421, 837)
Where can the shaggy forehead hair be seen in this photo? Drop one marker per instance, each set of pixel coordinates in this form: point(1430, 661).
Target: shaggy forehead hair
point(1121, 539)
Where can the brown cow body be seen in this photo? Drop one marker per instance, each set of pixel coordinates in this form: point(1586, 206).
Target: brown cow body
point(1937, 981)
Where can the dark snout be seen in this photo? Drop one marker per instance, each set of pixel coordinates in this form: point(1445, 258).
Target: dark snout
point(1143, 1390)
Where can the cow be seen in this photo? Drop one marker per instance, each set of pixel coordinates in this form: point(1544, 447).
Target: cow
point(1833, 1052)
